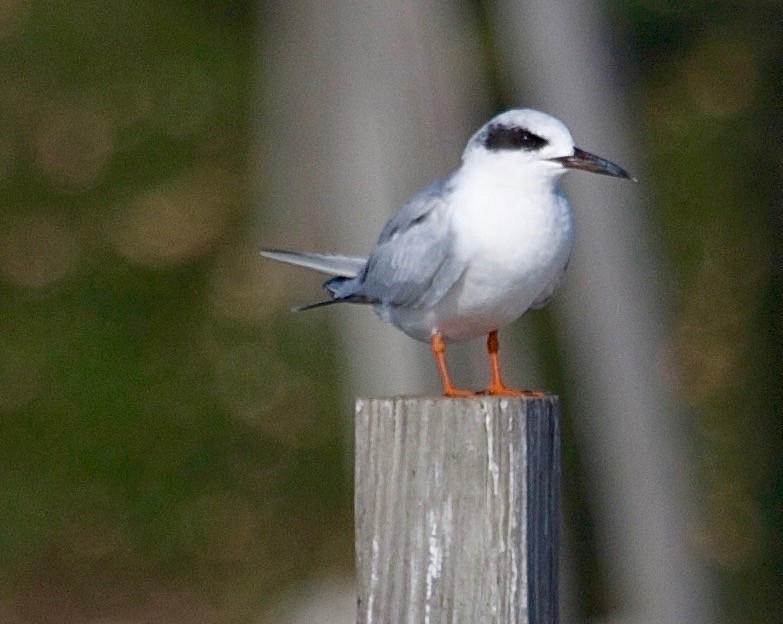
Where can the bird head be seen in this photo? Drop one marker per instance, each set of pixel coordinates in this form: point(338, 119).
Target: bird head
point(530, 143)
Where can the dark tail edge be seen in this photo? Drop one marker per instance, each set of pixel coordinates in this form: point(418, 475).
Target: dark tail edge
point(331, 286)
point(318, 304)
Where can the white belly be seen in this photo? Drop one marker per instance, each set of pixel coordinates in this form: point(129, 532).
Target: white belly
point(514, 252)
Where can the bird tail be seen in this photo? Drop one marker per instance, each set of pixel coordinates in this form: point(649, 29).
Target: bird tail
point(317, 304)
point(342, 266)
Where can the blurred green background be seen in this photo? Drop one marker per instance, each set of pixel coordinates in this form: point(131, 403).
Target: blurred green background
point(171, 442)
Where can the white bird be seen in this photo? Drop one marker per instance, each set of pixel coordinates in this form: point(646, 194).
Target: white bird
point(476, 249)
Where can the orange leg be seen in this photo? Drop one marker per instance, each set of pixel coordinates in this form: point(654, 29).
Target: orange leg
point(496, 385)
point(439, 351)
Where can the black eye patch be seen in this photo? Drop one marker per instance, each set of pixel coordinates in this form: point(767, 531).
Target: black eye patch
point(509, 138)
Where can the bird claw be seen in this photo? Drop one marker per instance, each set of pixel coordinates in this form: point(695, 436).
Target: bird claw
point(503, 390)
point(457, 393)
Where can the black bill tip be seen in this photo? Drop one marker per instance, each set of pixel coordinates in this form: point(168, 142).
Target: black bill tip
point(586, 161)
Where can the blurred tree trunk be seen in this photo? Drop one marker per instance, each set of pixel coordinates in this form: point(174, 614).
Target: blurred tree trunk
point(613, 320)
point(363, 104)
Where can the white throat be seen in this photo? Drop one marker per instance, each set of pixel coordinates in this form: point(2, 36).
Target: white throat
point(505, 173)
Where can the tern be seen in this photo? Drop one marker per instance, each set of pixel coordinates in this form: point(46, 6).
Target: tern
point(475, 250)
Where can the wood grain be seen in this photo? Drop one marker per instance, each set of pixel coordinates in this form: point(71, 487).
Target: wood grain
point(457, 510)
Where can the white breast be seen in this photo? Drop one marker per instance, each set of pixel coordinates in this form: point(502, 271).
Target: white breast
point(516, 243)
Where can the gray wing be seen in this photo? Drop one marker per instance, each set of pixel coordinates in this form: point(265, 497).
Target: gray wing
point(417, 207)
point(412, 265)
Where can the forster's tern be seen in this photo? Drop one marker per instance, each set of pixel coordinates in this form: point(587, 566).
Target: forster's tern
point(475, 250)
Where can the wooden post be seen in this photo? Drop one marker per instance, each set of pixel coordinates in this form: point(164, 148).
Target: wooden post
point(457, 510)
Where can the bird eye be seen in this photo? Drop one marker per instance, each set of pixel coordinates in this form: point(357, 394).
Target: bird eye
point(501, 137)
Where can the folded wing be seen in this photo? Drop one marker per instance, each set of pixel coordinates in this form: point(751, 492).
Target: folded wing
point(413, 264)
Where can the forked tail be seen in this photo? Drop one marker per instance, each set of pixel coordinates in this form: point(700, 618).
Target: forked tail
point(344, 268)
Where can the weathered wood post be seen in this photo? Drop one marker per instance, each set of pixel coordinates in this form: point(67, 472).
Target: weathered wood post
point(457, 510)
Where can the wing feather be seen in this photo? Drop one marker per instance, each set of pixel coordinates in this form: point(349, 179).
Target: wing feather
point(413, 265)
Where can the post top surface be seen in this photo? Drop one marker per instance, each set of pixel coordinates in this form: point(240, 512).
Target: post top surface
point(502, 401)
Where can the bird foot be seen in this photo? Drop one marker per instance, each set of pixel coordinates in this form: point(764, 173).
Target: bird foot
point(451, 391)
point(500, 389)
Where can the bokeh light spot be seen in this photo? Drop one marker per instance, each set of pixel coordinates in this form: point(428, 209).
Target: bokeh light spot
point(73, 146)
point(246, 288)
point(174, 223)
point(37, 250)
point(257, 388)
point(13, 15)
